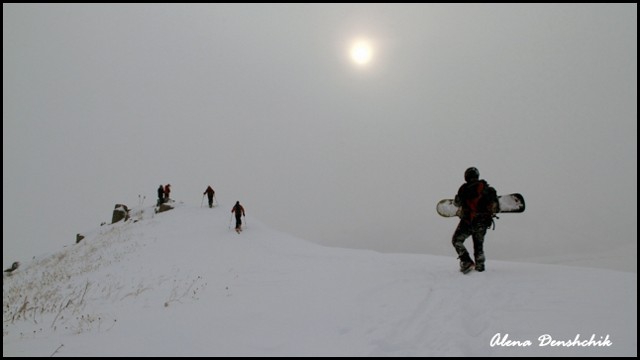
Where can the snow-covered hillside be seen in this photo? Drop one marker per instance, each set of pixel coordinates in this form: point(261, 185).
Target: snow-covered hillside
point(183, 283)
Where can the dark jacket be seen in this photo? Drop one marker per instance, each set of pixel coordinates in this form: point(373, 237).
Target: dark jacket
point(238, 209)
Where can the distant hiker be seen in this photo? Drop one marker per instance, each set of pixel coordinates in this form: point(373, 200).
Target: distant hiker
point(479, 203)
point(167, 190)
point(160, 194)
point(210, 194)
point(239, 211)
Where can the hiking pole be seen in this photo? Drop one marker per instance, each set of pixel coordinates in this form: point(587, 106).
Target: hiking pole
point(230, 217)
point(202, 202)
point(216, 200)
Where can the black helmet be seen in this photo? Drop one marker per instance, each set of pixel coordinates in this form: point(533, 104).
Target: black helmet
point(471, 174)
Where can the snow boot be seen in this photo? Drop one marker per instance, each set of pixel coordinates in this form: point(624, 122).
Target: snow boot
point(480, 263)
point(465, 267)
point(466, 264)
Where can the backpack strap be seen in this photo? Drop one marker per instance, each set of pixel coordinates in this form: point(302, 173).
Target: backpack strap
point(472, 203)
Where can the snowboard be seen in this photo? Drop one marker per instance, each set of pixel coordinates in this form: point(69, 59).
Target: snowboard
point(511, 203)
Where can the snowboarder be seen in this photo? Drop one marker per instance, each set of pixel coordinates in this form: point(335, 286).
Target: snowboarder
point(239, 212)
point(210, 194)
point(160, 194)
point(479, 203)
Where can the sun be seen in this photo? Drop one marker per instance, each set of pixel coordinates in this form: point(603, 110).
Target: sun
point(361, 52)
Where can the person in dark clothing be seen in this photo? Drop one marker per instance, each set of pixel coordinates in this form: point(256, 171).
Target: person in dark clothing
point(210, 194)
point(160, 194)
point(478, 204)
point(239, 211)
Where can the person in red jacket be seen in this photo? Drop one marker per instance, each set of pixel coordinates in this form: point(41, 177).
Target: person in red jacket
point(167, 190)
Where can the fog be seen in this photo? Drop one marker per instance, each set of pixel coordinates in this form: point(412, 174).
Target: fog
point(103, 103)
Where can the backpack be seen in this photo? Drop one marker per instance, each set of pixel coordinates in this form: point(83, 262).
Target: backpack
point(489, 200)
point(237, 209)
point(481, 200)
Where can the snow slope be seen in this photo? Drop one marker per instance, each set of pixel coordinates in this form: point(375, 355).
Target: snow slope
point(183, 283)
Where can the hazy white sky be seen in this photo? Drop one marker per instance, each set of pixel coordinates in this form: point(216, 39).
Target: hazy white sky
point(102, 103)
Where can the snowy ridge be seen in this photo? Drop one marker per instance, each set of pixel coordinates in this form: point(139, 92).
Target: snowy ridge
point(183, 283)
